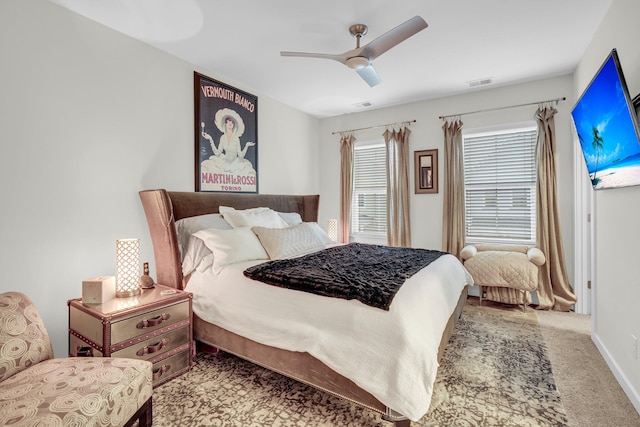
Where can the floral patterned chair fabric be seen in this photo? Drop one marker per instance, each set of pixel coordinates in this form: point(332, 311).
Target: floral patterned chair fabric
point(38, 390)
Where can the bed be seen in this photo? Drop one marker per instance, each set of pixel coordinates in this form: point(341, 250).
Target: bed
point(164, 208)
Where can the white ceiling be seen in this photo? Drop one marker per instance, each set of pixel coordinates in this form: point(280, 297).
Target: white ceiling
point(507, 41)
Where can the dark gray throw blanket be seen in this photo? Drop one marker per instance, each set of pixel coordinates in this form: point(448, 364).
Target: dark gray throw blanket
point(371, 274)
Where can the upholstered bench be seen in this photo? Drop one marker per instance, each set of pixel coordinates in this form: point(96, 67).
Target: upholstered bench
point(506, 273)
point(38, 390)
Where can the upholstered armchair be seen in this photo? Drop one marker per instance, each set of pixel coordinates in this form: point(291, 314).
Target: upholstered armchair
point(37, 389)
point(504, 273)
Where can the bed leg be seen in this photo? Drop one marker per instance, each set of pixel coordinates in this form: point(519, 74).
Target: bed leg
point(205, 348)
point(397, 419)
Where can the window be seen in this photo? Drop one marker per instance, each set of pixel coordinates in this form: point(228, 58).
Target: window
point(369, 204)
point(500, 185)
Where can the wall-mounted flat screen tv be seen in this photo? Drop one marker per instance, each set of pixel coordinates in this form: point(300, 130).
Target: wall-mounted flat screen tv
point(606, 123)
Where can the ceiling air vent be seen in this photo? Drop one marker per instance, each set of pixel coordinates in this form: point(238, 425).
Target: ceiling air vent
point(480, 82)
point(364, 104)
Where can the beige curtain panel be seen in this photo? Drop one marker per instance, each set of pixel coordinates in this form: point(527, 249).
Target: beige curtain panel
point(453, 213)
point(398, 222)
point(346, 184)
point(554, 290)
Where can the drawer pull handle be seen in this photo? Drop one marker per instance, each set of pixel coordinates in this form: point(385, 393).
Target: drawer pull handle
point(158, 372)
point(153, 347)
point(154, 321)
point(84, 352)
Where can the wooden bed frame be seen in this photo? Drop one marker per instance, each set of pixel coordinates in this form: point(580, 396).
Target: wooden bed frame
point(162, 208)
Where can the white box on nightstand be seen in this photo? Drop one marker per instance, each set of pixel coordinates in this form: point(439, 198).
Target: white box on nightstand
point(98, 290)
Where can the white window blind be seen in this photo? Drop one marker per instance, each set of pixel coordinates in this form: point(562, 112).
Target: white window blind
point(369, 205)
point(500, 186)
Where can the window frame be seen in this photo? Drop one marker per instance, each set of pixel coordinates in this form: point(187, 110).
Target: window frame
point(367, 236)
point(528, 126)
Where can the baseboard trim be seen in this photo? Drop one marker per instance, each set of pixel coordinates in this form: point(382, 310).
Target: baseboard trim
point(628, 389)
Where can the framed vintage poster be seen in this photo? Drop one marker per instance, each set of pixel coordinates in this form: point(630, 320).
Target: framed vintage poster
point(226, 137)
point(426, 171)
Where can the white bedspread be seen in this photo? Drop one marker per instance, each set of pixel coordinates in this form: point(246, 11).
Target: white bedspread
point(391, 354)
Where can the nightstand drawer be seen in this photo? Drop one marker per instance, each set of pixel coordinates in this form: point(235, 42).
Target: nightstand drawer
point(78, 347)
point(149, 321)
point(155, 345)
point(169, 368)
point(86, 324)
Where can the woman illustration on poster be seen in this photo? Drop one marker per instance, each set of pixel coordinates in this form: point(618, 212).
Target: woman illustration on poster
point(228, 155)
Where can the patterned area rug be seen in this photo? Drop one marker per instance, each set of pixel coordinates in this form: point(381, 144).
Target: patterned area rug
point(495, 372)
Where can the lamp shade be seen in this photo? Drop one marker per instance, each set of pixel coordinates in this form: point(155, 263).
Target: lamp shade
point(332, 229)
point(127, 267)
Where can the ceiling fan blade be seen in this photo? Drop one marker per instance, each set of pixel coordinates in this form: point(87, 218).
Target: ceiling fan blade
point(393, 37)
point(339, 58)
point(369, 75)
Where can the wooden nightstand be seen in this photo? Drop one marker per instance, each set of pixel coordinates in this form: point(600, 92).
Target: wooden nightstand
point(155, 325)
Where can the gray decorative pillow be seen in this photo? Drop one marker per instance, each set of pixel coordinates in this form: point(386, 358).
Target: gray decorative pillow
point(185, 227)
point(291, 218)
point(281, 243)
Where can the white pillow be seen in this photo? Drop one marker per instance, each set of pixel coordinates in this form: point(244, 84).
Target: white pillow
point(289, 242)
point(185, 227)
point(291, 218)
point(231, 246)
point(195, 253)
point(263, 217)
point(321, 233)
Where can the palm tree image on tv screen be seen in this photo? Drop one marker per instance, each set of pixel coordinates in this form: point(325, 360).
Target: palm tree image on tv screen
point(607, 129)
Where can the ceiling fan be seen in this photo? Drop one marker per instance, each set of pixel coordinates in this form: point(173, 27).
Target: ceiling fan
point(360, 58)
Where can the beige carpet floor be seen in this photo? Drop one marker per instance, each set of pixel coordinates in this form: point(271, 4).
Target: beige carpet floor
point(590, 393)
point(502, 368)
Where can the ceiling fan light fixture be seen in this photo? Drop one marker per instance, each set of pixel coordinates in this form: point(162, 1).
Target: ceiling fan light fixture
point(357, 62)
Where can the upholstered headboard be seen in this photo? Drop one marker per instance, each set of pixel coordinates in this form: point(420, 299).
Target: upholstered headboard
point(162, 208)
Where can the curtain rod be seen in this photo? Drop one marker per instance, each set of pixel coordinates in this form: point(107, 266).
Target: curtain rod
point(556, 100)
point(373, 127)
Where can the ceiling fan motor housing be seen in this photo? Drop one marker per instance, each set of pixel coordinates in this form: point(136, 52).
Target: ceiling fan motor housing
point(357, 62)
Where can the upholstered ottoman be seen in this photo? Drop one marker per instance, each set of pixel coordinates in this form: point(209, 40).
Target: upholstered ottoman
point(507, 273)
point(37, 390)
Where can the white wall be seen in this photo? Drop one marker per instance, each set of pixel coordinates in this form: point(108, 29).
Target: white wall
point(88, 117)
point(617, 227)
point(426, 133)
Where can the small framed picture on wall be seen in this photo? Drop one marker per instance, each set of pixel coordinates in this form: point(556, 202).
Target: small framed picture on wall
point(426, 171)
